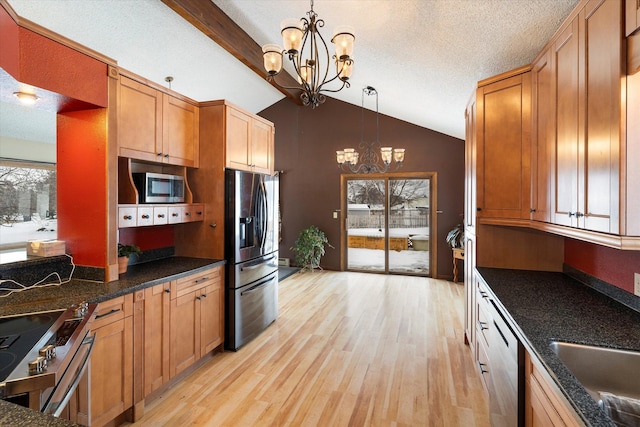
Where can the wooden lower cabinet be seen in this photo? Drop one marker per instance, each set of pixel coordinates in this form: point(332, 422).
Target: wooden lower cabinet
point(111, 360)
point(156, 336)
point(196, 327)
point(543, 407)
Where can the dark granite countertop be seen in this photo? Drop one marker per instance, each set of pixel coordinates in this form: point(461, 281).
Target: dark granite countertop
point(49, 298)
point(12, 415)
point(137, 277)
point(544, 307)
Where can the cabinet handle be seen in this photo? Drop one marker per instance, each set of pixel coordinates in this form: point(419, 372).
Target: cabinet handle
point(571, 214)
point(198, 298)
point(145, 216)
point(532, 210)
point(482, 325)
point(160, 215)
point(187, 214)
point(174, 214)
point(478, 209)
point(214, 225)
point(483, 294)
point(166, 156)
point(579, 214)
point(204, 279)
point(481, 366)
point(159, 154)
point(199, 213)
point(114, 310)
point(168, 290)
point(127, 217)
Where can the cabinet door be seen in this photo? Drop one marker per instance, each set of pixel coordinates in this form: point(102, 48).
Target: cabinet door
point(139, 121)
point(185, 336)
point(157, 304)
point(211, 322)
point(542, 138)
point(503, 148)
point(238, 155)
point(568, 118)
point(261, 147)
point(111, 371)
point(180, 130)
point(599, 190)
point(632, 16)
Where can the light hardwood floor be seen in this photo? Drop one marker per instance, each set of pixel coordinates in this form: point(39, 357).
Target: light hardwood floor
point(348, 349)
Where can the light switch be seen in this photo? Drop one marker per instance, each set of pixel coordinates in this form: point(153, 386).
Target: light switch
point(335, 215)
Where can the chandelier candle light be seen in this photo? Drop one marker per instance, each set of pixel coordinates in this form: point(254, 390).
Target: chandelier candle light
point(304, 45)
point(369, 161)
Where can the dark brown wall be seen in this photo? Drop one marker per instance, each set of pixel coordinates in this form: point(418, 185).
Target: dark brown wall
point(305, 143)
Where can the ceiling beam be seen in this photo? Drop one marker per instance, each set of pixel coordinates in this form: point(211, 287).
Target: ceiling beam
point(215, 24)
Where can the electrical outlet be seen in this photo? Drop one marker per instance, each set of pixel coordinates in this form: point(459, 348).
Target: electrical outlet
point(636, 284)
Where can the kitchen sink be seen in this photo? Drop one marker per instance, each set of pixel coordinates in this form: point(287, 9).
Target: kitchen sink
point(602, 369)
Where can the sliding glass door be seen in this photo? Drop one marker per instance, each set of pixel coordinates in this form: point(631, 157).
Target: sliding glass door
point(387, 228)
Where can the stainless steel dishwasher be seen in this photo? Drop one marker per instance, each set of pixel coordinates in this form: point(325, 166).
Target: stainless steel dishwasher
point(506, 367)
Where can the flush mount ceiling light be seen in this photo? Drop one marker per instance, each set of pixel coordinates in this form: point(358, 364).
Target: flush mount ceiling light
point(369, 160)
point(26, 98)
point(309, 55)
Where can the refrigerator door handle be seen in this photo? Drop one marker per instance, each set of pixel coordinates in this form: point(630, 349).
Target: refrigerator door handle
point(256, 287)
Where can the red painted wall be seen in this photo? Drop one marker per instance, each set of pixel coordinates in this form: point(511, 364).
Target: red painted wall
point(41, 62)
point(148, 238)
point(611, 265)
point(82, 184)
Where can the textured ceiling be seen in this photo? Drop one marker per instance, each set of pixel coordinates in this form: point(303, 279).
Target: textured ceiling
point(424, 57)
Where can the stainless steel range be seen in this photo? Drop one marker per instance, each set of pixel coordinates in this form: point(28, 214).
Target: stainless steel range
point(44, 355)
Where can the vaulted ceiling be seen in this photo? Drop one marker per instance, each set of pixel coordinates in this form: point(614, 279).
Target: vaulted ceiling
point(424, 57)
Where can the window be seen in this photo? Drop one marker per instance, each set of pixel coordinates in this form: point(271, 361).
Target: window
point(27, 203)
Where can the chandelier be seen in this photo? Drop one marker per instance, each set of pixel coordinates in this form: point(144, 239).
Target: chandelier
point(369, 161)
point(309, 55)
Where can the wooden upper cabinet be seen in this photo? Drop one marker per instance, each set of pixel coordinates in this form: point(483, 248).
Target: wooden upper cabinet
point(180, 132)
point(588, 77)
point(632, 16)
point(542, 133)
point(155, 126)
point(503, 133)
point(249, 142)
point(139, 120)
point(567, 114)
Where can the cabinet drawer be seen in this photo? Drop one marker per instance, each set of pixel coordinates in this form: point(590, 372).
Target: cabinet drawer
point(483, 365)
point(113, 310)
point(176, 214)
point(160, 215)
point(145, 216)
point(193, 213)
point(190, 283)
point(127, 217)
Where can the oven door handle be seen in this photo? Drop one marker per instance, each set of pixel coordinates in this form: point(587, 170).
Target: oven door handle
point(55, 408)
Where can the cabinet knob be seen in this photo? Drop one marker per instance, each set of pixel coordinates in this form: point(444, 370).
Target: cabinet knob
point(174, 214)
point(204, 295)
point(187, 214)
point(159, 154)
point(145, 216)
point(478, 209)
point(532, 210)
point(127, 217)
point(166, 156)
point(168, 290)
point(160, 215)
point(579, 214)
point(198, 298)
point(199, 213)
point(571, 214)
point(214, 225)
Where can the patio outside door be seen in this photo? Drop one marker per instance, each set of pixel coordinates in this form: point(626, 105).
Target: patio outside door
point(388, 222)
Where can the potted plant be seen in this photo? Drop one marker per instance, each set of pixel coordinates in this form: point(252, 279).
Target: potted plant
point(455, 237)
point(309, 248)
point(124, 252)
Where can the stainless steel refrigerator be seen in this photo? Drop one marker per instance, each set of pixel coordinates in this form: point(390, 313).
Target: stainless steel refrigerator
point(252, 255)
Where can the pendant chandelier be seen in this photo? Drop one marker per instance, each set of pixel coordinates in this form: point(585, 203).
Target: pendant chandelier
point(369, 161)
point(309, 55)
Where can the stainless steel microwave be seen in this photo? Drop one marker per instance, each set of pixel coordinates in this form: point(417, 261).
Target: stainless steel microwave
point(159, 187)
